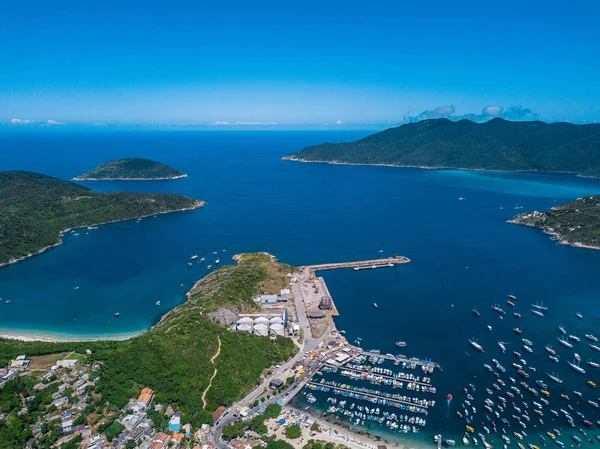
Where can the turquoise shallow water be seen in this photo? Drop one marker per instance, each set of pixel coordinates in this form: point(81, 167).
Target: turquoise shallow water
point(463, 252)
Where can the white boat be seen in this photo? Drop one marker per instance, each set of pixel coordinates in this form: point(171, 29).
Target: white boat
point(579, 315)
point(202, 259)
point(476, 345)
point(189, 264)
point(489, 328)
point(576, 367)
point(537, 312)
point(501, 344)
point(555, 378)
point(214, 252)
point(594, 347)
point(590, 337)
point(193, 257)
point(562, 330)
point(218, 261)
point(574, 338)
point(158, 303)
point(75, 288)
point(593, 364)
point(375, 305)
point(565, 343)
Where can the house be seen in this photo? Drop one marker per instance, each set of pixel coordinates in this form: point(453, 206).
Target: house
point(68, 363)
point(21, 357)
point(266, 300)
point(60, 402)
point(315, 313)
point(187, 429)
point(284, 295)
point(67, 425)
point(218, 413)
point(145, 397)
point(175, 422)
point(160, 441)
point(20, 364)
point(275, 383)
point(326, 303)
point(177, 438)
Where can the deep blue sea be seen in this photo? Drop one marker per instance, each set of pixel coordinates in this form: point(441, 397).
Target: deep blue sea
point(463, 252)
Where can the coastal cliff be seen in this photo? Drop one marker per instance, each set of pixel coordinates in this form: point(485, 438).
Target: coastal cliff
point(497, 145)
point(576, 223)
point(131, 169)
point(36, 210)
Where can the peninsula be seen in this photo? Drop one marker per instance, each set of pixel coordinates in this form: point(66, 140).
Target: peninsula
point(498, 145)
point(576, 223)
point(188, 359)
point(35, 210)
point(131, 169)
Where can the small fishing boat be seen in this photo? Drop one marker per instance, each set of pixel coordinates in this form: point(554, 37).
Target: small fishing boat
point(75, 288)
point(579, 315)
point(375, 305)
point(117, 315)
point(158, 303)
point(189, 264)
point(517, 315)
point(209, 267)
point(475, 312)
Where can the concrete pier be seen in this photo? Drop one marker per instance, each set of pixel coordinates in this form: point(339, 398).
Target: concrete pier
point(361, 264)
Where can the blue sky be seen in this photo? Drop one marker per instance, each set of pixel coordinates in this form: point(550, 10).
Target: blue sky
point(296, 62)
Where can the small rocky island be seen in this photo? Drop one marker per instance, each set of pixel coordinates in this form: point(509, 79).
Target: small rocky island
point(35, 210)
point(576, 223)
point(131, 169)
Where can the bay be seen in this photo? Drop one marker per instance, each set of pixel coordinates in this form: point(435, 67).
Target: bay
point(463, 252)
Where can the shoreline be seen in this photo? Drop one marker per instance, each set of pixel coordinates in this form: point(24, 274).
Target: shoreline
point(197, 204)
point(349, 437)
point(48, 337)
point(554, 236)
point(428, 167)
point(78, 178)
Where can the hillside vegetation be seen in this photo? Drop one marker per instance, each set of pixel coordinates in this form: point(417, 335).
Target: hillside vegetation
point(131, 169)
point(35, 209)
point(494, 145)
point(173, 358)
point(575, 223)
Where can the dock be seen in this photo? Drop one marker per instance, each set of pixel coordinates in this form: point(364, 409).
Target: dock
point(369, 395)
point(360, 265)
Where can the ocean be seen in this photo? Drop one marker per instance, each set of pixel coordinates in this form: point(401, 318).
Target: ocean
point(452, 224)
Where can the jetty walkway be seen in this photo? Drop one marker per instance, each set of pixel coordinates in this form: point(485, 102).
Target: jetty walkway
point(360, 265)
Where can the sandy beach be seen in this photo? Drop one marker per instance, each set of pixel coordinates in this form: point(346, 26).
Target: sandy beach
point(52, 338)
point(340, 434)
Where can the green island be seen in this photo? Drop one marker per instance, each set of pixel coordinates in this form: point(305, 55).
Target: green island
point(498, 144)
point(191, 365)
point(575, 223)
point(131, 169)
point(36, 209)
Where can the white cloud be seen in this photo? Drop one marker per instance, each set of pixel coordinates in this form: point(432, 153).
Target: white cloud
point(338, 122)
point(493, 110)
point(99, 124)
point(18, 121)
point(256, 123)
point(53, 122)
point(218, 122)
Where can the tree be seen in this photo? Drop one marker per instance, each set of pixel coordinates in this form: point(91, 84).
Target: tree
point(279, 444)
point(293, 432)
point(257, 424)
point(315, 427)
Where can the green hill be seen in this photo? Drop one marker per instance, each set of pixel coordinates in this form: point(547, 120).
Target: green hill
point(35, 209)
point(575, 223)
point(494, 145)
point(173, 358)
point(131, 169)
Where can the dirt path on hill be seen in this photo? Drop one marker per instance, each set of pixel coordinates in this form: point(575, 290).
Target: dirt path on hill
point(212, 360)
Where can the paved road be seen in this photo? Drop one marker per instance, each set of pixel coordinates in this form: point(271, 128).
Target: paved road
point(308, 344)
